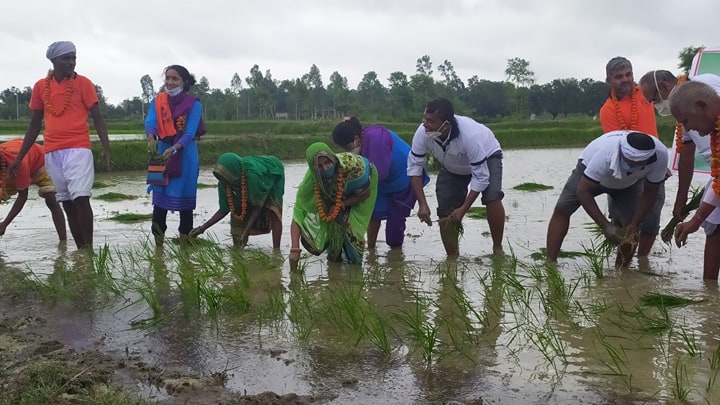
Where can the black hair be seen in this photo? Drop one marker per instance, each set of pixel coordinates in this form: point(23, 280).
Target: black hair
point(441, 106)
point(188, 79)
point(346, 131)
point(640, 141)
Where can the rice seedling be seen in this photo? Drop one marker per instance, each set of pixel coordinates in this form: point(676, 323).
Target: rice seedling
point(204, 185)
point(550, 345)
point(378, 330)
point(618, 358)
point(692, 204)
point(130, 217)
point(714, 363)
point(596, 259)
point(532, 187)
point(690, 344)
point(301, 310)
point(115, 197)
point(666, 301)
point(345, 309)
point(421, 332)
point(680, 389)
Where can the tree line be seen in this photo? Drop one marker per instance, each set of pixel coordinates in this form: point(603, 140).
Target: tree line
point(260, 96)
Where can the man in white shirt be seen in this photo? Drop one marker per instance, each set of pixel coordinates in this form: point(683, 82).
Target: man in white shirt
point(468, 154)
point(696, 105)
point(616, 164)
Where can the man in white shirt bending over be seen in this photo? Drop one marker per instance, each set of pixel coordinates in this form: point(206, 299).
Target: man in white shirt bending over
point(468, 154)
point(616, 164)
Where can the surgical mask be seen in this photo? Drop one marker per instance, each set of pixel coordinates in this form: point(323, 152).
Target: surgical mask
point(663, 108)
point(327, 173)
point(435, 135)
point(356, 150)
point(174, 92)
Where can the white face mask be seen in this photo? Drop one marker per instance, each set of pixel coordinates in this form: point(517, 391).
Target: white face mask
point(436, 135)
point(356, 150)
point(663, 108)
point(174, 92)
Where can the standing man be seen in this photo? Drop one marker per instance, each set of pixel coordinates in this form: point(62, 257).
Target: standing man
point(468, 154)
point(31, 171)
point(63, 99)
point(628, 109)
point(629, 167)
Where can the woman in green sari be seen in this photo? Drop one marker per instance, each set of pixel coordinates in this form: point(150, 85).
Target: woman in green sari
point(333, 206)
point(251, 189)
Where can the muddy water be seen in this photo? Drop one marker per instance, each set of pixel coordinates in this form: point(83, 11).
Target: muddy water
point(602, 347)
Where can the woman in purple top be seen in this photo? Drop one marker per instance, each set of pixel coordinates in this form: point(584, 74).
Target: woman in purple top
point(388, 152)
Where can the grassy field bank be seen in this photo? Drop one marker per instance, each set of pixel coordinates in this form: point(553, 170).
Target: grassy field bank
point(288, 139)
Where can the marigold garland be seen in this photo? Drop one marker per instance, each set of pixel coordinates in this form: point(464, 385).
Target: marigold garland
point(338, 200)
point(715, 160)
point(633, 109)
point(243, 199)
point(180, 123)
point(679, 126)
point(46, 95)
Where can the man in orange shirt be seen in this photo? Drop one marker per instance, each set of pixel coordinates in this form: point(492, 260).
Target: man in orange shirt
point(63, 99)
point(31, 171)
point(628, 109)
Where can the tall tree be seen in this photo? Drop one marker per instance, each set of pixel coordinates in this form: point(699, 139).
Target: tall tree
point(339, 92)
point(423, 66)
point(314, 84)
point(236, 89)
point(518, 72)
point(686, 56)
point(371, 92)
point(148, 91)
point(450, 78)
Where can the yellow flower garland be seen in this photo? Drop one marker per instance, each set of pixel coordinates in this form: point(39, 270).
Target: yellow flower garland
point(715, 159)
point(679, 126)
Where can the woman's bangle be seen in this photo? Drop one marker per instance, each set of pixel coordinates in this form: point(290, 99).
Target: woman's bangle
point(174, 149)
point(293, 250)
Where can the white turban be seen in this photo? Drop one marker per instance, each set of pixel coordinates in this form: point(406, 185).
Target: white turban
point(59, 48)
point(630, 153)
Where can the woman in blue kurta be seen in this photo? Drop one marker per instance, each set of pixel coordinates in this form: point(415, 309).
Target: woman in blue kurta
point(173, 124)
point(389, 153)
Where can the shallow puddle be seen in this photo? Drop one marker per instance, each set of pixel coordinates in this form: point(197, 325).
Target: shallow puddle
point(408, 327)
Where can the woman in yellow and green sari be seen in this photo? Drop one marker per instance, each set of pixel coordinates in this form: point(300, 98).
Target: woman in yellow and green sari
point(250, 189)
point(333, 206)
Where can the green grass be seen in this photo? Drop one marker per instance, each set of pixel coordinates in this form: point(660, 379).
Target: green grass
point(532, 187)
point(115, 197)
point(130, 217)
point(203, 185)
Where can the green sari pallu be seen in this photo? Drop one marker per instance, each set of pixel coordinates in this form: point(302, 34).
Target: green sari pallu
point(264, 190)
point(344, 237)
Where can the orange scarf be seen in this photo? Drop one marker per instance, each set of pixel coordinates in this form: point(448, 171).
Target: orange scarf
point(165, 122)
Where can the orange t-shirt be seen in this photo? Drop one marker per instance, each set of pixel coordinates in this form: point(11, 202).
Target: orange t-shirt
point(33, 161)
point(646, 114)
point(69, 130)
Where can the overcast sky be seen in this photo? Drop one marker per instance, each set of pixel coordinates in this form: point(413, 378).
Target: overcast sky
point(120, 41)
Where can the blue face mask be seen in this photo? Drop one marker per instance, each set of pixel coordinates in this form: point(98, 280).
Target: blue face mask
point(327, 172)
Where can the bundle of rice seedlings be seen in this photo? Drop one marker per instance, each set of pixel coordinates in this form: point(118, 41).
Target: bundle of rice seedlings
point(665, 300)
point(692, 204)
